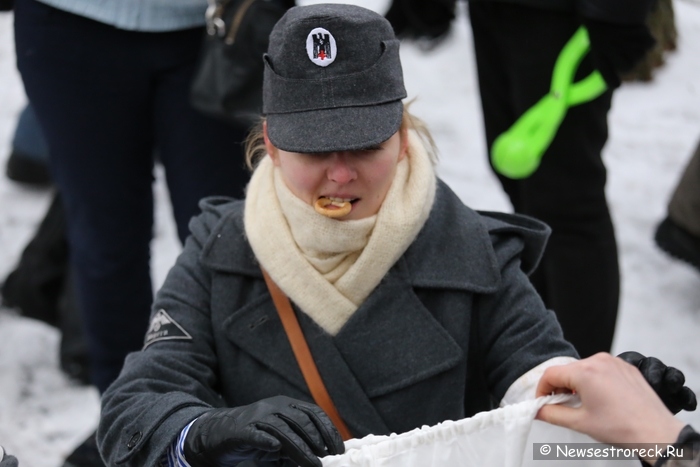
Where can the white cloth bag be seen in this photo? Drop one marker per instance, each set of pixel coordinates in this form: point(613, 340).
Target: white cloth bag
point(502, 437)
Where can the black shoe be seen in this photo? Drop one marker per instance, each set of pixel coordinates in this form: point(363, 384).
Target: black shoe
point(26, 169)
point(85, 455)
point(35, 286)
point(678, 242)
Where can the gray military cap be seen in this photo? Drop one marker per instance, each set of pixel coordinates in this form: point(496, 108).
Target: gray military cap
point(333, 79)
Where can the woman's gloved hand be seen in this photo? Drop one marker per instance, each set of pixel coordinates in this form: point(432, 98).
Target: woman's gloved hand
point(617, 48)
point(7, 5)
point(666, 381)
point(279, 429)
point(428, 21)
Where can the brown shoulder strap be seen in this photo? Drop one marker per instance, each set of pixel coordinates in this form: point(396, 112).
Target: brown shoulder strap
point(304, 357)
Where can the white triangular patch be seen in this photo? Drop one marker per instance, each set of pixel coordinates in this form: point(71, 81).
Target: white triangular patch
point(163, 327)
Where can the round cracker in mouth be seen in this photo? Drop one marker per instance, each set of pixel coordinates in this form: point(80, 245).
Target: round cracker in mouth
point(338, 209)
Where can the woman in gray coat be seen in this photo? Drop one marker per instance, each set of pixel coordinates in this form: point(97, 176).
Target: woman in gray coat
point(416, 309)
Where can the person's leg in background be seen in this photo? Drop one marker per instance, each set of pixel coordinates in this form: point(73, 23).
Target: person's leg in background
point(679, 233)
point(106, 98)
point(39, 287)
point(91, 94)
point(95, 88)
point(516, 47)
point(202, 156)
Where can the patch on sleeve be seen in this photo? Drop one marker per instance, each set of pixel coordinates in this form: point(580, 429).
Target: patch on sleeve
point(164, 328)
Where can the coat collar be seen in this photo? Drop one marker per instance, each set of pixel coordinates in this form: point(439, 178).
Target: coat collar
point(468, 235)
point(453, 250)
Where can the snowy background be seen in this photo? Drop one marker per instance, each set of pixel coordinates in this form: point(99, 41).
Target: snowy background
point(653, 130)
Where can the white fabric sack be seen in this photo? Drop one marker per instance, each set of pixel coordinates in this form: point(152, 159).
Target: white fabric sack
point(502, 437)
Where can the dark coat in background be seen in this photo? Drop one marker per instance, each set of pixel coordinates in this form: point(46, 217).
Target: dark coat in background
point(516, 45)
point(451, 326)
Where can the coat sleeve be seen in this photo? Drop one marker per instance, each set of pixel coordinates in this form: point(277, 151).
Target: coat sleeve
point(170, 382)
point(515, 330)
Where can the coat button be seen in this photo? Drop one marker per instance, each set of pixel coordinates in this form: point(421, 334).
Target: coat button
point(134, 439)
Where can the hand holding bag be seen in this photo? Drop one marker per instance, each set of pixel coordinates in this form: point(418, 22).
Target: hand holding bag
point(228, 81)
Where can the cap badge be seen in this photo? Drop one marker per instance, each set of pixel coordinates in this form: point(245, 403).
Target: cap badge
point(320, 46)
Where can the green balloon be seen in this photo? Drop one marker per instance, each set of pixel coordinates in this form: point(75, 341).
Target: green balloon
point(517, 152)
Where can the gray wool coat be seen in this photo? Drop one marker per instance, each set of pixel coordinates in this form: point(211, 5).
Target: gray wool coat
point(451, 326)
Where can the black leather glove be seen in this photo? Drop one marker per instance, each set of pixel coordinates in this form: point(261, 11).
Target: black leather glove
point(427, 20)
point(282, 430)
point(616, 48)
point(666, 381)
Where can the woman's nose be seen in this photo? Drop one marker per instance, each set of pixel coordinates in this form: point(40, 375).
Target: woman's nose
point(341, 169)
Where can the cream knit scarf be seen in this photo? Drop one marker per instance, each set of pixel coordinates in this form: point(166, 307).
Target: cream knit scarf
point(328, 267)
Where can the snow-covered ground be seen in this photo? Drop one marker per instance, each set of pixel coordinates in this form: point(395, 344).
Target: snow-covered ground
point(653, 129)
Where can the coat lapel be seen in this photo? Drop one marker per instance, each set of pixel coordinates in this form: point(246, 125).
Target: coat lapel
point(375, 353)
point(393, 341)
point(344, 387)
point(257, 330)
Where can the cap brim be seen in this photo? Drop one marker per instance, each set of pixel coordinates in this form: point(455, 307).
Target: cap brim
point(339, 129)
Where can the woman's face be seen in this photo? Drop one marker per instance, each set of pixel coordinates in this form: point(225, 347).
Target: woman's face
point(361, 177)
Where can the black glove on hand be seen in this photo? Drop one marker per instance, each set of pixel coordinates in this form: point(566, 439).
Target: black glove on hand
point(428, 20)
point(279, 429)
point(616, 48)
point(666, 381)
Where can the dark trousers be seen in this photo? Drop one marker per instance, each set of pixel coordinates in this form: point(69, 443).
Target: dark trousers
point(110, 101)
point(516, 48)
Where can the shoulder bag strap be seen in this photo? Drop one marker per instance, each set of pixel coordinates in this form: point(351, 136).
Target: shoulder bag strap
point(304, 357)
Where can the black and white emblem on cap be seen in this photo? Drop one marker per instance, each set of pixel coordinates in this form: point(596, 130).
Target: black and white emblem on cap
point(320, 46)
point(163, 328)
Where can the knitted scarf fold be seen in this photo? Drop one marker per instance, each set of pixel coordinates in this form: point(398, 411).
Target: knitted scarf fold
point(328, 267)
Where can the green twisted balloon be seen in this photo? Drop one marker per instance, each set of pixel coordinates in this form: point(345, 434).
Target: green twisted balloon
point(517, 152)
